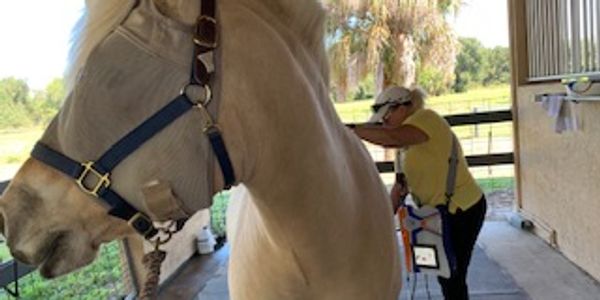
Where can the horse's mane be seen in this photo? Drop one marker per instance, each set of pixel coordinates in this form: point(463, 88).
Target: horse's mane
point(101, 17)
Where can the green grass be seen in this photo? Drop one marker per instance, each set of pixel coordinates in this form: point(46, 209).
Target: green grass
point(480, 99)
point(497, 183)
point(4, 254)
point(16, 144)
point(101, 280)
point(218, 212)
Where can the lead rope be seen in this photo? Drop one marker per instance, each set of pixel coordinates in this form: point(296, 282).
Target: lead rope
point(153, 260)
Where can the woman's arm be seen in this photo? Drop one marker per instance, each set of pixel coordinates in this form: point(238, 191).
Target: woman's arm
point(405, 135)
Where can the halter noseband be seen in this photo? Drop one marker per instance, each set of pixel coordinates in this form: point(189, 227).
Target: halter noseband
point(93, 177)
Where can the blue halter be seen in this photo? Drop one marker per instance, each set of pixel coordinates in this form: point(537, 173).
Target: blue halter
point(93, 177)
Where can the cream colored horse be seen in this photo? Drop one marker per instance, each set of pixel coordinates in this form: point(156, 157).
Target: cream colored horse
point(312, 222)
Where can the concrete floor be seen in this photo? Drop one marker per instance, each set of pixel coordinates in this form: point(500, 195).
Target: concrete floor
point(540, 270)
point(508, 264)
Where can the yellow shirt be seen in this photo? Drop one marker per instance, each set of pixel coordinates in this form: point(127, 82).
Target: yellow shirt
point(426, 165)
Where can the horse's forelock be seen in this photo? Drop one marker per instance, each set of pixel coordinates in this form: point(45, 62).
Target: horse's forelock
point(99, 19)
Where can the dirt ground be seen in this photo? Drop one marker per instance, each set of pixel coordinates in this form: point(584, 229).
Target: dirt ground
point(500, 203)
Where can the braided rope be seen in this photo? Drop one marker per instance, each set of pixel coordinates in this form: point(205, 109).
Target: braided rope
point(152, 262)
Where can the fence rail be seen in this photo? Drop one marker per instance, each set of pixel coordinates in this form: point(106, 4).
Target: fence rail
point(472, 160)
point(10, 272)
point(480, 118)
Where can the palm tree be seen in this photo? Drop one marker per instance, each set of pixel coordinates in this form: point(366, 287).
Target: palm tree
point(394, 39)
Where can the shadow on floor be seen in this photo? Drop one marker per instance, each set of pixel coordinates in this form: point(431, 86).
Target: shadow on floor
point(508, 264)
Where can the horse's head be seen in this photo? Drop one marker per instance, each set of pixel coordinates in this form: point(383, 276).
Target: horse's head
point(269, 83)
point(48, 222)
point(55, 211)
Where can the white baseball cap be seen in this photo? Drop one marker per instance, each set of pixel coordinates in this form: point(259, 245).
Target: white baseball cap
point(391, 97)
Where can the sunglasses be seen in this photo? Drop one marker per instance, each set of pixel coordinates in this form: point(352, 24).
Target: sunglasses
point(392, 103)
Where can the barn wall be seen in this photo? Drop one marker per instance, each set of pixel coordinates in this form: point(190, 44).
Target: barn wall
point(560, 177)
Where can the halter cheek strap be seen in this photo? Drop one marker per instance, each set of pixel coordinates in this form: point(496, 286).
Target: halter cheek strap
point(93, 177)
point(202, 74)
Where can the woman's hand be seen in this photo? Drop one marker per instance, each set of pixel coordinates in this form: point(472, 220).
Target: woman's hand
point(398, 194)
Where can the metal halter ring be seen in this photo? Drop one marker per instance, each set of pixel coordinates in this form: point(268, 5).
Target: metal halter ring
point(168, 233)
point(207, 93)
point(159, 242)
point(209, 123)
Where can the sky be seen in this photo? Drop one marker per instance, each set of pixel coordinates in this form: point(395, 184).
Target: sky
point(34, 38)
point(35, 34)
point(486, 20)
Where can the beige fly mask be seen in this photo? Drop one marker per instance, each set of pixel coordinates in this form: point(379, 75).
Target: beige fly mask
point(131, 74)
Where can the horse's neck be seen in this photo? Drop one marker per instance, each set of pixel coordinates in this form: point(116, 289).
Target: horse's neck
point(307, 170)
point(275, 103)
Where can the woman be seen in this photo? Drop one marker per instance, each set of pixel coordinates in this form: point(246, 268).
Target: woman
point(401, 121)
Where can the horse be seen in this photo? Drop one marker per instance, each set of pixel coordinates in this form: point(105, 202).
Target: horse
point(309, 217)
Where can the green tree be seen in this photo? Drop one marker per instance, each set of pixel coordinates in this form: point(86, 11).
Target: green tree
point(498, 66)
point(19, 107)
point(470, 63)
point(14, 90)
point(47, 102)
point(14, 96)
point(55, 93)
point(433, 80)
point(394, 39)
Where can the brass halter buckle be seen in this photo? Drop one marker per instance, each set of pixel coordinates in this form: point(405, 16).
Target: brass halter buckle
point(103, 180)
point(206, 32)
point(141, 223)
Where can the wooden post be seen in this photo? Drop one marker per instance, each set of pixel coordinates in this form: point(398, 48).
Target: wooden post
point(519, 71)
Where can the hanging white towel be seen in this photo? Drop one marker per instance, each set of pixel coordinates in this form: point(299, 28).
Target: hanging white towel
point(567, 119)
point(562, 111)
point(552, 104)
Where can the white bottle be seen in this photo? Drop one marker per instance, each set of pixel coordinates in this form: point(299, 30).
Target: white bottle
point(205, 241)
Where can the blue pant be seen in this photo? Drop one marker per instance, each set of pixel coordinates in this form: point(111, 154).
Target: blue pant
point(464, 229)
